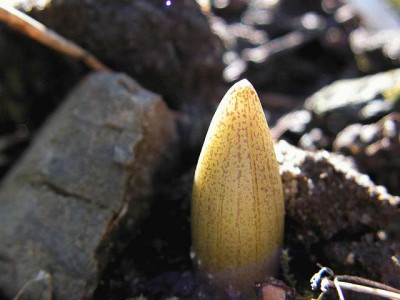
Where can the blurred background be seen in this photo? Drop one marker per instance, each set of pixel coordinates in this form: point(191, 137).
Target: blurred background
point(287, 49)
point(326, 72)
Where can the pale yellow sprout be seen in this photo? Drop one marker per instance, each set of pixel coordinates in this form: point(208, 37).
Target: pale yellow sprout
point(237, 202)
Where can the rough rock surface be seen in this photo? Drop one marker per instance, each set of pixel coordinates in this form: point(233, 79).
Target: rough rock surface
point(315, 181)
point(81, 190)
point(168, 49)
point(375, 148)
point(329, 203)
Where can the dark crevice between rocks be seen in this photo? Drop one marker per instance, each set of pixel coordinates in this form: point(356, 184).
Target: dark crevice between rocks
point(307, 257)
point(162, 245)
point(2, 296)
point(156, 263)
point(354, 236)
point(160, 252)
point(303, 263)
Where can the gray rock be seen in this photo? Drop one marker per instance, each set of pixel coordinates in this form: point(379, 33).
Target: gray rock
point(353, 100)
point(78, 195)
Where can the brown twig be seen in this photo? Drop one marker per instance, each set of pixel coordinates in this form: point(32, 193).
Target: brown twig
point(39, 32)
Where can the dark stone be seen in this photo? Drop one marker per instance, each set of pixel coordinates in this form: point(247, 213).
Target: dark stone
point(375, 148)
point(168, 49)
point(81, 191)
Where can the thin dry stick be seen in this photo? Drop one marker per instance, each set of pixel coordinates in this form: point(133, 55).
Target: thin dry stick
point(366, 282)
point(41, 275)
point(338, 288)
point(326, 283)
point(39, 32)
